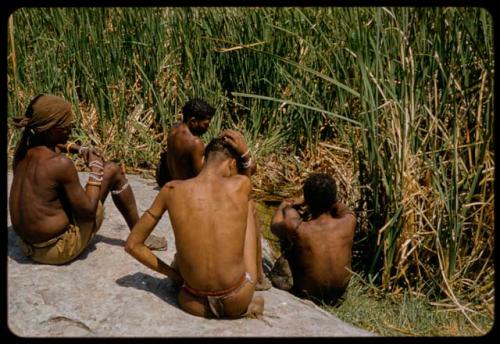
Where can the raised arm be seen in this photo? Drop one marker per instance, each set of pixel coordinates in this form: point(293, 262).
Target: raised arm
point(234, 139)
point(286, 220)
point(140, 232)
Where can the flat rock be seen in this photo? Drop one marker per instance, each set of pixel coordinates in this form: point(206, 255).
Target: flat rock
point(107, 293)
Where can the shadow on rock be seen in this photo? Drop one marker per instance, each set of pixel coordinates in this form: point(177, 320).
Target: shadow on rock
point(13, 250)
point(109, 241)
point(161, 287)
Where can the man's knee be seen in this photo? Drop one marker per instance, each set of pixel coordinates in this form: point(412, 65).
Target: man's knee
point(112, 169)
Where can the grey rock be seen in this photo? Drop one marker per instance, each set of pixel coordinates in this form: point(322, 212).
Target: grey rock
point(107, 293)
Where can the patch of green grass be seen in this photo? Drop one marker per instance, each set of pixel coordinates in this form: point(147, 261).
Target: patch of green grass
point(402, 315)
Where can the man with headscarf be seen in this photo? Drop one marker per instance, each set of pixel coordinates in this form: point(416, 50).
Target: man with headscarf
point(54, 217)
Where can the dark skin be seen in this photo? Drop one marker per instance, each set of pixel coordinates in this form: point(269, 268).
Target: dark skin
point(320, 259)
point(223, 247)
point(46, 190)
point(184, 159)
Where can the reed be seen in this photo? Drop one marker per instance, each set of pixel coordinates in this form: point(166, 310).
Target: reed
point(407, 92)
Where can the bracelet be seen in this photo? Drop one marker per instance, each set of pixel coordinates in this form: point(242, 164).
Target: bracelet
point(117, 192)
point(98, 173)
point(68, 146)
point(246, 153)
point(96, 163)
point(246, 164)
point(81, 149)
point(89, 182)
point(98, 178)
point(157, 218)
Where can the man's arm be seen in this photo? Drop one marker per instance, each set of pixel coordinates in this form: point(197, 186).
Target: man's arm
point(246, 166)
point(286, 220)
point(83, 202)
point(197, 155)
point(141, 231)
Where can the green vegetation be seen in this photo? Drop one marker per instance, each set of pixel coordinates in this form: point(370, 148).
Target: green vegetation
point(396, 103)
point(402, 315)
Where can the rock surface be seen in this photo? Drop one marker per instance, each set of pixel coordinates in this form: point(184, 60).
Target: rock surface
point(107, 293)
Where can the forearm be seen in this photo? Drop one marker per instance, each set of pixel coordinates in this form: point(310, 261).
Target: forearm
point(144, 255)
point(94, 184)
point(246, 164)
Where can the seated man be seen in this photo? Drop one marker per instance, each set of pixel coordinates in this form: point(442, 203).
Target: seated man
point(185, 149)
point(317, 253)
point(185, 157)
point(216, 262)
point(54, 217)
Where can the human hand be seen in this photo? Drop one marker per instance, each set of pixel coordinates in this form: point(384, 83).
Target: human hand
point(90, 155)
point(293, 202)
point(235, 140)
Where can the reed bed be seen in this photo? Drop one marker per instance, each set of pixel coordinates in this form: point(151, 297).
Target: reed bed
point(396, 103)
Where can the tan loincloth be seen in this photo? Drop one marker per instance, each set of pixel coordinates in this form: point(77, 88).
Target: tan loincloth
point(67, 246)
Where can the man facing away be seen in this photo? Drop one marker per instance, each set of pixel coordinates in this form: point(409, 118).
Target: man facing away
point(54, 217)
point(183, 157)
point(215, 234)
point(316, 260)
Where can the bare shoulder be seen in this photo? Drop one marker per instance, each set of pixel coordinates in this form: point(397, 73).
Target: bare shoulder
point(173, 184)
point(62, 169)
point(60, 163)
point(242, 181)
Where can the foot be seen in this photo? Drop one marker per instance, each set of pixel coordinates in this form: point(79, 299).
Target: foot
point(263, 283)
point(255, 308)
point(154, 242)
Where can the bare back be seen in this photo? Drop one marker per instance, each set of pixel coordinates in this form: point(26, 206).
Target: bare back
point(209, 218)
point(322, 251)
point(36, 202)
point(185, 152)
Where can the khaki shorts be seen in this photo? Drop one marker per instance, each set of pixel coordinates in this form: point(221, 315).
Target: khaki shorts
point(67, 246)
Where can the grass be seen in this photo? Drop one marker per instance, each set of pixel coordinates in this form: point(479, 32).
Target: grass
point(367, 307)
point(396, 103)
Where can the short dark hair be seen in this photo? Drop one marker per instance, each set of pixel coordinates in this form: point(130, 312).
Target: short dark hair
point(320, 192)
point(218, 144)
point(197, 108)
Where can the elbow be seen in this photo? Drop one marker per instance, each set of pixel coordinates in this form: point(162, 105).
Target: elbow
point(130, 247)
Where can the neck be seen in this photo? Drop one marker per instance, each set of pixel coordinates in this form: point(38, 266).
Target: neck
point(36, 140)
point(317, 214)
point(216, 167)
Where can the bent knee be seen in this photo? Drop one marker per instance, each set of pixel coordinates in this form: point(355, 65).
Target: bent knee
point(112, 168)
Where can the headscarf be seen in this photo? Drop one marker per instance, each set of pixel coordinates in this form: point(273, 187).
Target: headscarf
point(45, 112)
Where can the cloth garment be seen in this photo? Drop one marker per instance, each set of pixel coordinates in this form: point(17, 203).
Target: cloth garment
point(45, 112)
point(216, 299)
point(67, 246)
